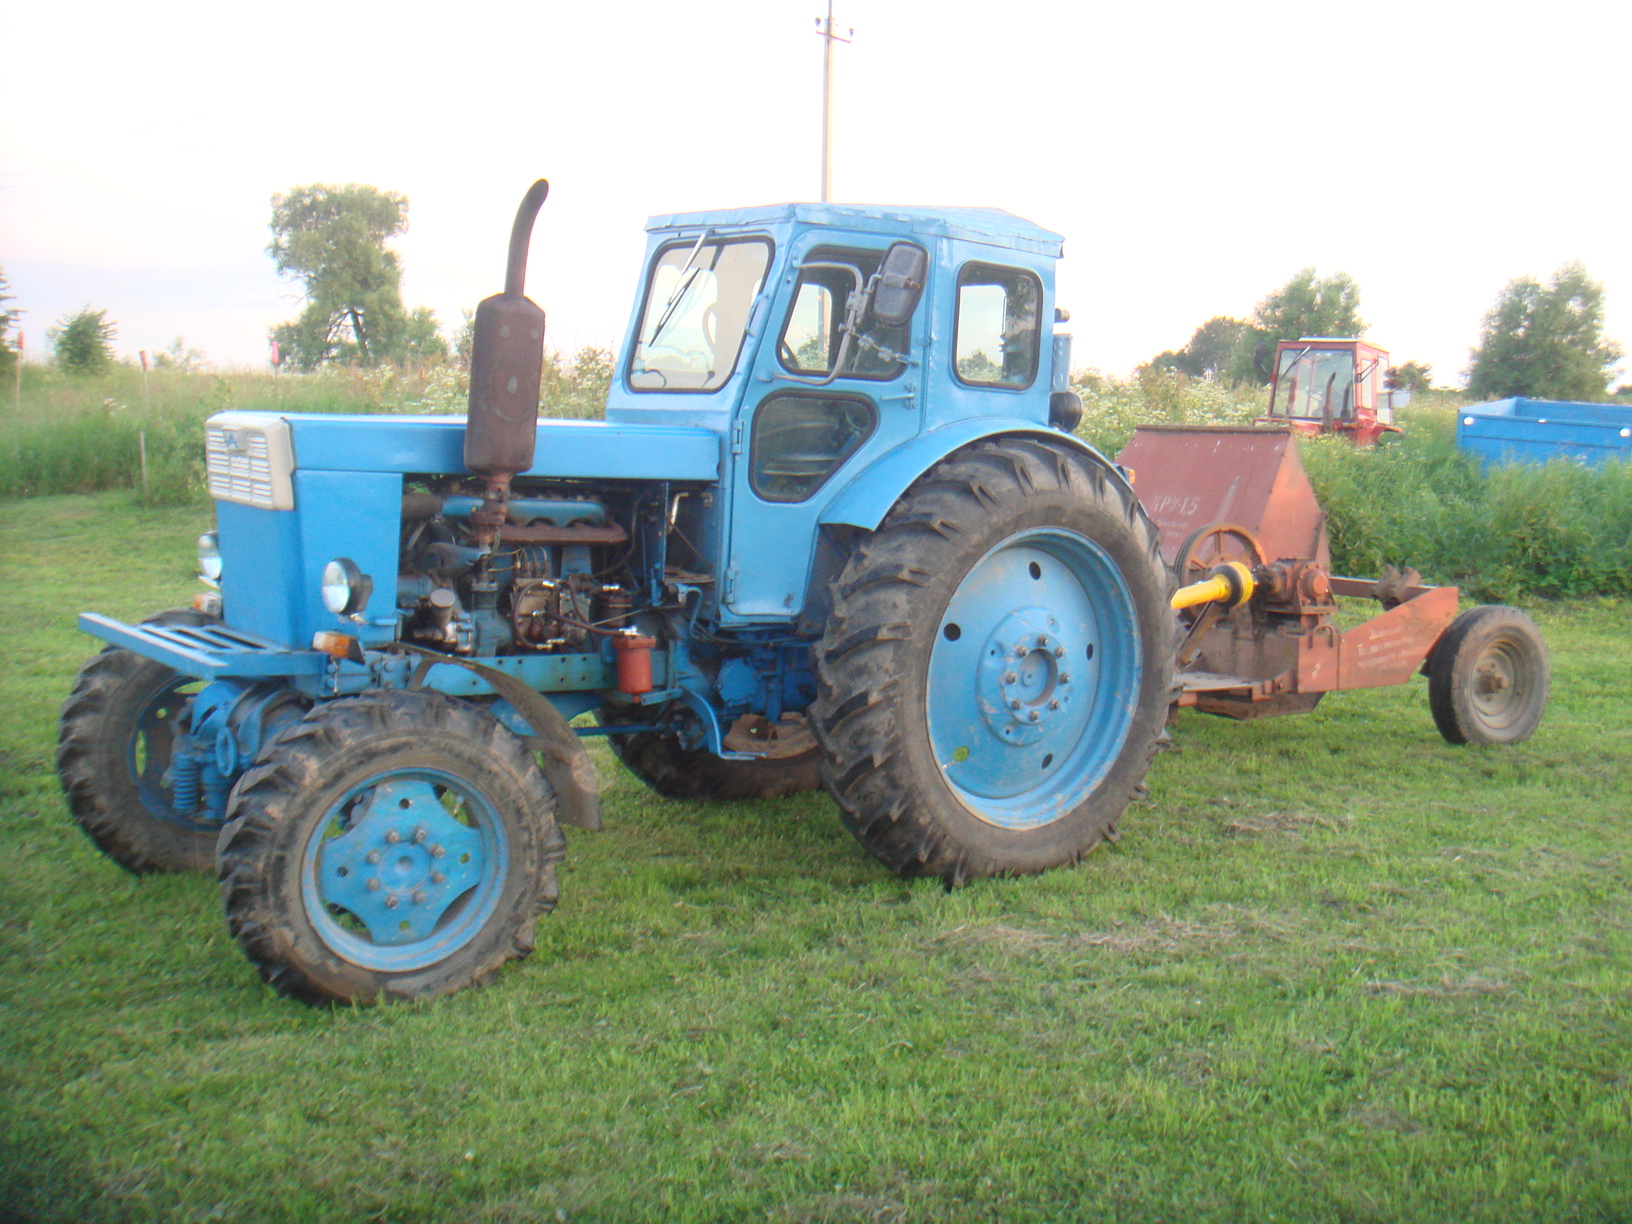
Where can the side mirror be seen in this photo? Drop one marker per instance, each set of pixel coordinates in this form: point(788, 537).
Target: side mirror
point(900, 283)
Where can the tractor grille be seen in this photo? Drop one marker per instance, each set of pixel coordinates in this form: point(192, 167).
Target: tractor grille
point(249, 460)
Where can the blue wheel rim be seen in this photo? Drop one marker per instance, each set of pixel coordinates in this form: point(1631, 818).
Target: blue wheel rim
point(406, 869)
point(1034, 678)
point(150, 753)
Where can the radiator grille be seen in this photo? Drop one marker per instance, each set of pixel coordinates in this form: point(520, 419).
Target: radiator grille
point(249, 461)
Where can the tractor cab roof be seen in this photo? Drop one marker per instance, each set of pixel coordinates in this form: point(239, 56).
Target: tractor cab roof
point(992, 226)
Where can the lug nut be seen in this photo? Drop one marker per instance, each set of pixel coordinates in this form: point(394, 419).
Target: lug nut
point(1034, 716)
point(437, 877)
point(1009, 677)
point(1042, 639)
point(373, 856)
point(391, 902)
point(419, 834)
point(1020, 651)
point(1055, 704)
point(437, 852)
point(419, 896)
point(1014, 703)
point(1065, 677)
point(1059, 652)
point(391, 838)
point(373, 886)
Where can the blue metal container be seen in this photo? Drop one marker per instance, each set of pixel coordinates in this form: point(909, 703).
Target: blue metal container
point(1520, 430)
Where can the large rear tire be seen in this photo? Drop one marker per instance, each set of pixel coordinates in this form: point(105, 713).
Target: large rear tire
point(998, 668)
point(396, 844)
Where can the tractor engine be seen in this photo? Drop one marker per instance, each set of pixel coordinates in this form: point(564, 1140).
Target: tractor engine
point(556, 580)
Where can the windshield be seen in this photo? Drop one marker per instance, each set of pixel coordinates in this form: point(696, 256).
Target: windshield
point(1314, 383)
point(698, 299)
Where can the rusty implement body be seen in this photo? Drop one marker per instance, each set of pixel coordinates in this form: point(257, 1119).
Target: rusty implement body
point(1233, 500)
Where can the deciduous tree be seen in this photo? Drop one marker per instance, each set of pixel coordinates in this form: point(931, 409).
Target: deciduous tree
point(1307, 305)
point(1209, 352)
point(1545, 341)
point(333, 240)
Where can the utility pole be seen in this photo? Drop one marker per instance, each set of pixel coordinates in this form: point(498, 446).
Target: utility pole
point(825, 29)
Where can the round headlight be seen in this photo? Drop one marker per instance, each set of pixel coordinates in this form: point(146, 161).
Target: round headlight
point(209, 556)
point(345, 587)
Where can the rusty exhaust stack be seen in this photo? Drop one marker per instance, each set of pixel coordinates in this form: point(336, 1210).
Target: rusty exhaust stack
point(506, 364)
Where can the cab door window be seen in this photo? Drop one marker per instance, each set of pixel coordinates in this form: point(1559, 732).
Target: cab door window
point(801, 438)
point(811, 336)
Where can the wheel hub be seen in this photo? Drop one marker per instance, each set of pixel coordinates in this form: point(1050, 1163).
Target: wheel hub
point(1023, 684)
point(402, 863)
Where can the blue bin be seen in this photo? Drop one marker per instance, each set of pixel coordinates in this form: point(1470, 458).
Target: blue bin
point(1521, 430)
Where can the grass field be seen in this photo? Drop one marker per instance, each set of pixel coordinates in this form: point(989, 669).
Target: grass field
point(1334, 970)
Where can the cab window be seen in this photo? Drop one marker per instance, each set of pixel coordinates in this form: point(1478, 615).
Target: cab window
point(998, 326)
point(811, 337)
point(698, 299)
point(801, 438)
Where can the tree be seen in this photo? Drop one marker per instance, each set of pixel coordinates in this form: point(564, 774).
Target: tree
point(332, 239)
point(180, 357)
point(1412, 376)
point(1209, 351)
point(83, 342)
point(1546, 342)
point(8, 352)
point(1307, 305)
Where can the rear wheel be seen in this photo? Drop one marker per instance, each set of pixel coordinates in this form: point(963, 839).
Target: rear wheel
point(396, 844)
point(1488, 677)
point(998, 668)
point(792, 764)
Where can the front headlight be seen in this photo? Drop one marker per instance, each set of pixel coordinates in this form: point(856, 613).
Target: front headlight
point(345, 587)
point(209, 557)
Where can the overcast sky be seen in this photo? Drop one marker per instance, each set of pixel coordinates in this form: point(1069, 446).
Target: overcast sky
point(1194, 155)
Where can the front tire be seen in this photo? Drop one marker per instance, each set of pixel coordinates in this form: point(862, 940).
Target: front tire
point(394, 844)
point(676, 772)
point(999, 665)
point(114, 743)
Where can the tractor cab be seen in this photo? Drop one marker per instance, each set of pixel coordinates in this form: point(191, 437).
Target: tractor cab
point(1329, 385)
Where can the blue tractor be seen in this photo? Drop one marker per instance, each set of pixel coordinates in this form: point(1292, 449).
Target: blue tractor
point(834, 531)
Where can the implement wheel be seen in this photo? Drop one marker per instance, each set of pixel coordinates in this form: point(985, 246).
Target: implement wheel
point(396, 844)
point(999, 664)
point(1488, 677)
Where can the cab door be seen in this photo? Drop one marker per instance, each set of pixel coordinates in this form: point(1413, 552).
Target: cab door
point(830, 390)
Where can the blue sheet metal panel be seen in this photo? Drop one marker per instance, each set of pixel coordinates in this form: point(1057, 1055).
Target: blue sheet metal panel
point(867, 499)
point(260, 570)
point(1521, 430)
point(348, 514)
point(567, 449)
point(988, 225)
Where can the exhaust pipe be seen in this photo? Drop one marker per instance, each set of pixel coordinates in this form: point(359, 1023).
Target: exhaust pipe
point(506, 364)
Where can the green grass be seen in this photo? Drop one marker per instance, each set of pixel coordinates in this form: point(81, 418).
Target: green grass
point(1335, 970)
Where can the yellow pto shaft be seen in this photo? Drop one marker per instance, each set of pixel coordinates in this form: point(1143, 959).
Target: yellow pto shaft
point(1230, 583)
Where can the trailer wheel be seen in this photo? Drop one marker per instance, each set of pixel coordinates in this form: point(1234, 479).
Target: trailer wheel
point(396, 844)
point(998, 668)
point(677, 772)
point(1488, 677)
point(114, 741)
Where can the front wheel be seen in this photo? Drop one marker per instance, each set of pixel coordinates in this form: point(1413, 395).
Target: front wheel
point(1488, 677)
point(396, 844)
point(999, 665)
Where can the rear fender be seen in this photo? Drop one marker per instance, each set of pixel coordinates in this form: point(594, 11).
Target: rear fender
point(867, 499)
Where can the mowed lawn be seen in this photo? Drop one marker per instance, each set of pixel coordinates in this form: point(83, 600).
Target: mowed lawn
point(1334, 970)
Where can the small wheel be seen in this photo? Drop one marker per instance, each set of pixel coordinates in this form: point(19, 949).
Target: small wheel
point(1488, 677)
point(1213, 545)
point(114, 740)
point(676, 772)
point(998, 666)
point(396, 844)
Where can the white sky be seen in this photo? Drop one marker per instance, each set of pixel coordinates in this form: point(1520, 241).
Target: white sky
point(1194, 155)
